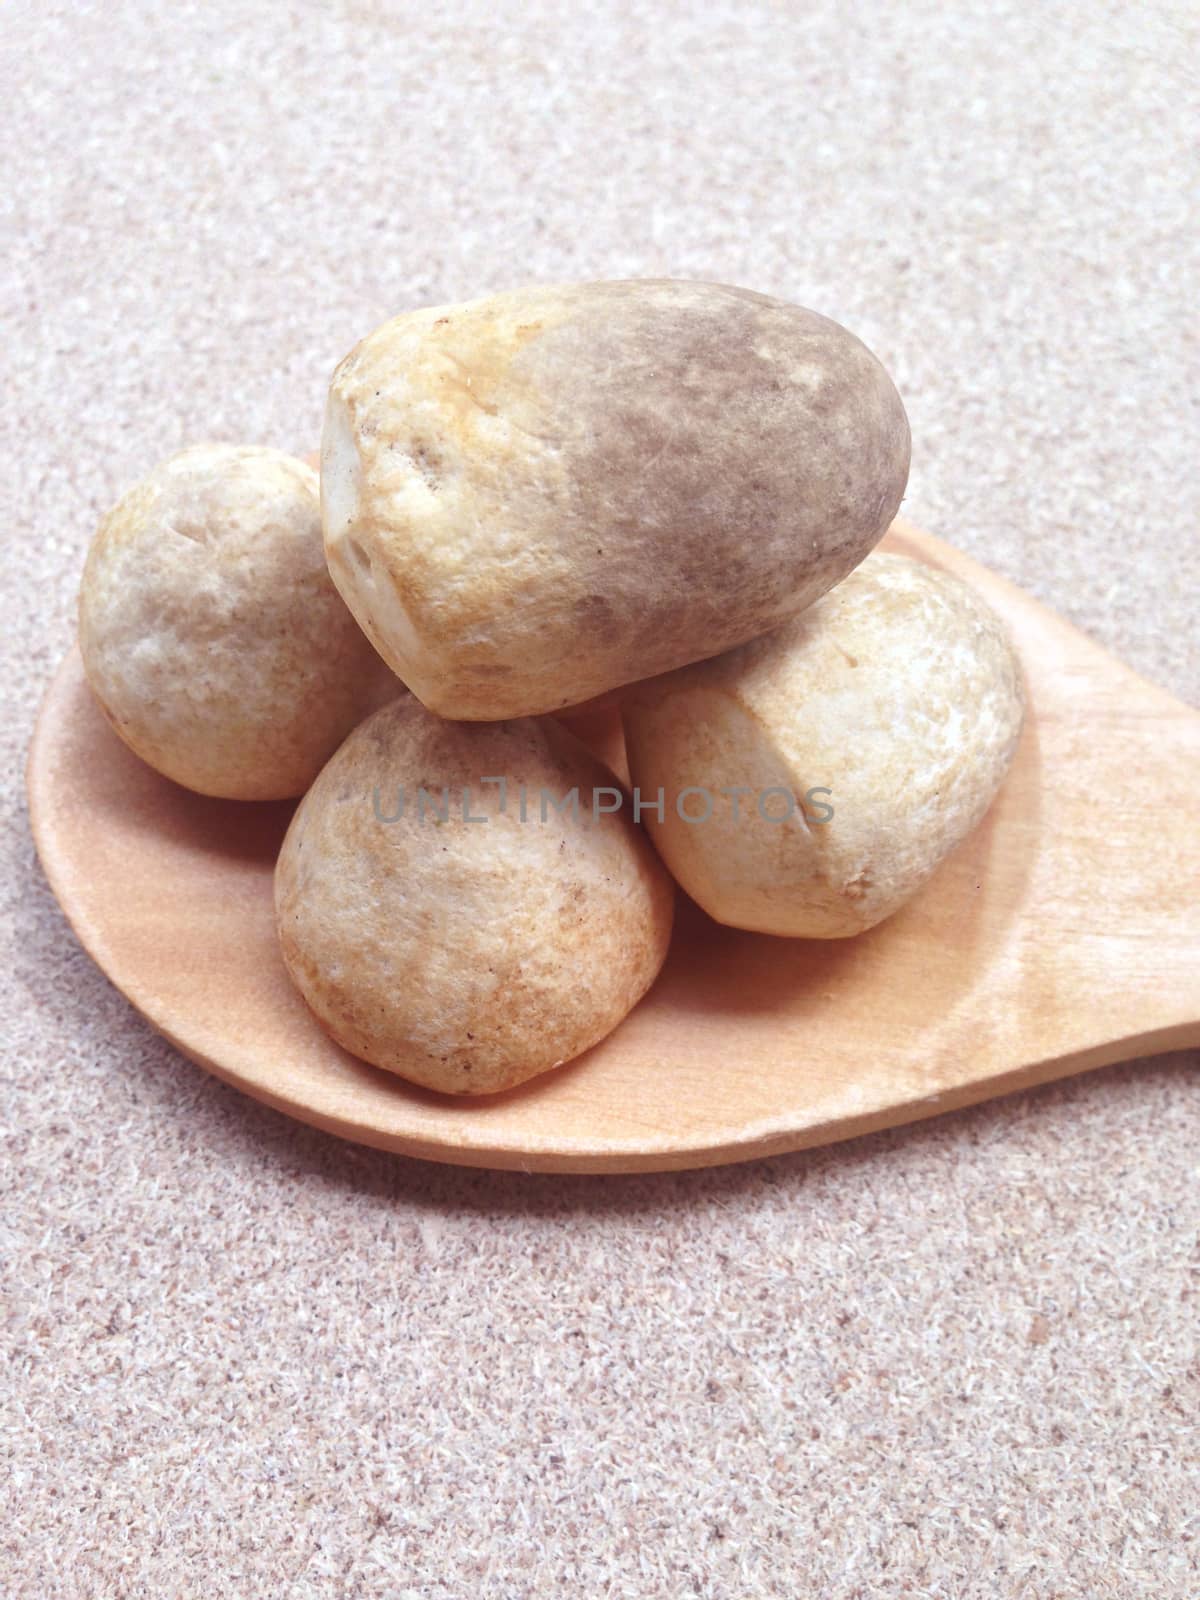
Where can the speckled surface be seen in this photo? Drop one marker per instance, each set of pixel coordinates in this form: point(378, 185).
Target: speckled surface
point(954, 1361)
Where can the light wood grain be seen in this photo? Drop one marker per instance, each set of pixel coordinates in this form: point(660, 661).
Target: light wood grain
point(1063, 935)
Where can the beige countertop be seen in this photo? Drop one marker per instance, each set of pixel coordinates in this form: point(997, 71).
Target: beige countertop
point(956, 1360)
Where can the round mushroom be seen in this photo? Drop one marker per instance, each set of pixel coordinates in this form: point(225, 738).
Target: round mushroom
point(211, 633)
point(814, 778)
point(534, 498)
point(468, 904)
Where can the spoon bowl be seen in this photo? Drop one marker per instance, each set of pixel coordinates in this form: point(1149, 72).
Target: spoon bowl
point(1063, 934)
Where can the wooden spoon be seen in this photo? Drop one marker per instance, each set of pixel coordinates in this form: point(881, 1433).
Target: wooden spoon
point(1063, 934)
